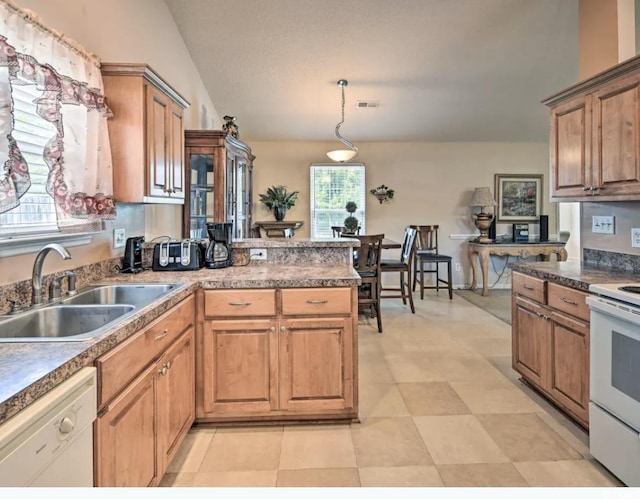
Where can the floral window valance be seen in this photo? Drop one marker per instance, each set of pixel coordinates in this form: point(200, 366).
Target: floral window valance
point(70, 100)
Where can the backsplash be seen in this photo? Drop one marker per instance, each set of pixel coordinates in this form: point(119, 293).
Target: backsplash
point(20, 292)
point(627, 216)
point(621, 262)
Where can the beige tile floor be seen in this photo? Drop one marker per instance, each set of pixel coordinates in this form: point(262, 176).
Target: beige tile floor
point(439, 406)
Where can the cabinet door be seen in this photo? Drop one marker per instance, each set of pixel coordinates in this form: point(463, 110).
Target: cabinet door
point(569, 364)
point(316, 365)
point(158, 161)
point(125, 433)
point(200, 190)
point(175, 398)
point(616, 130)
point(230, 191)
point(175, 140)
point(570, 147)
point(239, 367)
point(529, 340)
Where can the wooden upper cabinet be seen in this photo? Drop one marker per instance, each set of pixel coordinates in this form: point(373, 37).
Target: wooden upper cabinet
point(146, 135)
point(616, 137)
point(570, 146)
point(595, 137)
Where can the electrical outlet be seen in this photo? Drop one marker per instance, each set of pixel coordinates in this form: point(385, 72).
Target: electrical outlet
point(118, 238)
point(635, 238)
point(458, 267)
point(258, 253)
point(602, 225)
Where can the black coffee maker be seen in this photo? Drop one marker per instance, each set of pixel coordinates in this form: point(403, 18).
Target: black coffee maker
point(218, 254)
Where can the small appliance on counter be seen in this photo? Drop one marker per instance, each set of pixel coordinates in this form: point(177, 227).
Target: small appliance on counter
point(178, 255)
point(520, 233)
point(132, 261)
point(218, 254)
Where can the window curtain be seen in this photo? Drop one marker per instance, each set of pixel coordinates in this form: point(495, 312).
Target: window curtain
point(71, 97)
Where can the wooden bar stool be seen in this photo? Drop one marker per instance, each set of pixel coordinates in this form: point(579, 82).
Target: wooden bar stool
point(427, 253)
point(401, 266)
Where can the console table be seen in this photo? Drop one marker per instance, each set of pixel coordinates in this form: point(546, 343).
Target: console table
point(523, 250)
point(278, 229)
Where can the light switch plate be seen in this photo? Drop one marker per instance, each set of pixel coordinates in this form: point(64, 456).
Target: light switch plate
point(118, 238)
point(635, 238)
point(602, 224)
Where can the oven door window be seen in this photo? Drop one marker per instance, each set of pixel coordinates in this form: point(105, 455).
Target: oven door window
point(625, 372)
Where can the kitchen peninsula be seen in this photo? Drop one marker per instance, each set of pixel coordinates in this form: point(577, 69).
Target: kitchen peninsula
point(29, 370)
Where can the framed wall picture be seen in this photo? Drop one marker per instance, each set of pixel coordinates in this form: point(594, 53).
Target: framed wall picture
point(519, 197)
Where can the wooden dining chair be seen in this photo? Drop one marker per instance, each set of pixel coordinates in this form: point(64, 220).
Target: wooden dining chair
point(402, 266)
point(339, 231)
point(427, 253)
point(366, 261)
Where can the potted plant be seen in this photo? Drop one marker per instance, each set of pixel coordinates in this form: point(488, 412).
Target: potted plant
point(279, 200)
point(351, 223)
point(383, 193)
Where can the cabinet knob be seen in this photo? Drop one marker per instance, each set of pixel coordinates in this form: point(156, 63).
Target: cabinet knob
point(169, 365)
point(283, 329)
point(272, 329)
point(163, 371)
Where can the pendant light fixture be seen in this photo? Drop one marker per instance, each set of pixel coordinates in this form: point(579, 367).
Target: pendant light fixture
point(342, 155)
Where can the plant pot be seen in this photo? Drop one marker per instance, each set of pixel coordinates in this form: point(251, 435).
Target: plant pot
point(279, 212)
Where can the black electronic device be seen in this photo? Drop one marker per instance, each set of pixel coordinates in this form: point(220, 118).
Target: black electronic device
point(493, 230)
point(178, 255)
point(520, 233)
point(218, 254)
point(132, 261)
point(544, 228)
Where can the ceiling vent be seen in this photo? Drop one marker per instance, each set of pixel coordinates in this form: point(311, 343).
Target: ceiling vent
point(361, 104)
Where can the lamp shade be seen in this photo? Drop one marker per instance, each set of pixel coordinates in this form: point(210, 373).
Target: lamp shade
point(341, 155)
point(482, 197)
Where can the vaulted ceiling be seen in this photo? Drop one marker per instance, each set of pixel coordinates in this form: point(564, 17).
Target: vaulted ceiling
point(442, 70)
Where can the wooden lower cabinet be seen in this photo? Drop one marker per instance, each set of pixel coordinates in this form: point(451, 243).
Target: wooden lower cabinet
point(175, 400)
point(277, 368)
point(125, 436)
point(550, 349)
point(139, 430)
point(316, 365)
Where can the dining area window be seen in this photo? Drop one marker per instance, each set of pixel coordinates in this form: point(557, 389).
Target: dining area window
point(332, 187)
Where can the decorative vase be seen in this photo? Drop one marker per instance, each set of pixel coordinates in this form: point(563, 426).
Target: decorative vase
point(279, 212)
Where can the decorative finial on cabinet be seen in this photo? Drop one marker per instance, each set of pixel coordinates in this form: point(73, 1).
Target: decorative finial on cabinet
point(230, 127)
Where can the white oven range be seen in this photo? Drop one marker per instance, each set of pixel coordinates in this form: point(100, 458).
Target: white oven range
point(614, 408)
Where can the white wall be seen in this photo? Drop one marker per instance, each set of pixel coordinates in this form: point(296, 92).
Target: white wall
point(433, 184)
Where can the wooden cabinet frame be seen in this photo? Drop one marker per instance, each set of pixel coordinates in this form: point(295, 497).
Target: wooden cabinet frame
point(304, 366)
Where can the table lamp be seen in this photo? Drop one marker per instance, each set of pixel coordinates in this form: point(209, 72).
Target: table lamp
point(482, 197)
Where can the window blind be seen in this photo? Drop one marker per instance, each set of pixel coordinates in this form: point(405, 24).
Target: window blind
point(332, 186)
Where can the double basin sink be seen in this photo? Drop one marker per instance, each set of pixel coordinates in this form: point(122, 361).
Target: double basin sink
point(75, 318)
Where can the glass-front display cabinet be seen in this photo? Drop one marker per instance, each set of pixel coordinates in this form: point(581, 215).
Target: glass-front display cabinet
point(219, 183)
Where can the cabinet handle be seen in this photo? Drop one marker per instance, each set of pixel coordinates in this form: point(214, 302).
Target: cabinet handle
point(272, 329)
point(283, 329)
point(566, 300)
point(163, 371)
point(168, 364)
point(239, 303)
point(317, 302)
point(160, 336)
point(526, 286)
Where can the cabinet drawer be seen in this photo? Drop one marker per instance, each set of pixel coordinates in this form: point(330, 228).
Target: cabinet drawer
point(119, 366)
point(568, 300)
point(528, 286)
point(240, 302)
point(316, 301)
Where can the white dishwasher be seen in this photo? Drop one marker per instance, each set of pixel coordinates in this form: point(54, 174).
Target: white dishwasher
point(50, 442)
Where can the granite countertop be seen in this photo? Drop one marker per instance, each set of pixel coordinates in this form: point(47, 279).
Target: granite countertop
point(29, 370)
point(577, 275)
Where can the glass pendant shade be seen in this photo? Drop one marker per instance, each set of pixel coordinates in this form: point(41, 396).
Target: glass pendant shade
point(342, 155)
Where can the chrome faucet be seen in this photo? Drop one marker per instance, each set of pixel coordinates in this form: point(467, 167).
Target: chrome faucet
point(36, 276)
